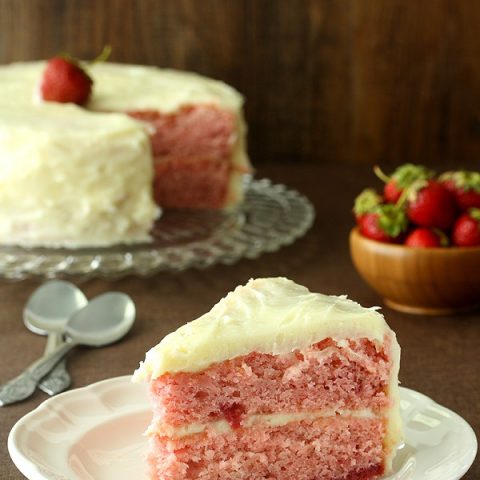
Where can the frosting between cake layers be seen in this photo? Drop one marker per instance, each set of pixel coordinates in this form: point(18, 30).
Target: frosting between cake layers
point(270, 315)
point(268, 420)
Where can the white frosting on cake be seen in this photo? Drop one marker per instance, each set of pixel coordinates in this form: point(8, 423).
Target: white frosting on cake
point(268, 315)
point(147, 88)
point(122, 87)
point(54, 193)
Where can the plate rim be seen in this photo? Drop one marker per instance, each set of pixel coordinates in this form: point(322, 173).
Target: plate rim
point(33, 472)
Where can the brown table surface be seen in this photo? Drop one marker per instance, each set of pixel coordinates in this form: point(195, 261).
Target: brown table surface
point(440, 356)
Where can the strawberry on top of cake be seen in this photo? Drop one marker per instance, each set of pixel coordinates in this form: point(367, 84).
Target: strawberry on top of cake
point(65, 81)
point(275, 382)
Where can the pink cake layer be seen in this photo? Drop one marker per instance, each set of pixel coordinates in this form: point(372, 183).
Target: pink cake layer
point(193, 155)
point(191, 182)
point(204, 130)
point(325, 375)
point(338, 448)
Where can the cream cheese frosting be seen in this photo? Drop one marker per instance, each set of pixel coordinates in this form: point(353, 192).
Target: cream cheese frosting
point(268, 315)
point(269, 420)
point(52, 193)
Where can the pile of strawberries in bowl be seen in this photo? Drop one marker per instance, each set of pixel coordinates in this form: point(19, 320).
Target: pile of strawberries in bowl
point(420, 209)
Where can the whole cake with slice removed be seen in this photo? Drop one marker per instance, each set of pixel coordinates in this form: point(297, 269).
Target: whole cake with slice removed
point(194, 126)
point(275, 382)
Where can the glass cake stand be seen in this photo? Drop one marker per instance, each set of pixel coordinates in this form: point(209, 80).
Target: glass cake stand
point(271, 216)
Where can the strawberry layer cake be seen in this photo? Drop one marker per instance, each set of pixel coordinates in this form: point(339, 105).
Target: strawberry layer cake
point(194, 125)
point(275, 382)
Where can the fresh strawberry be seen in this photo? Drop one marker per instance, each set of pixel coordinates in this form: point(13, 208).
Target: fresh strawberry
point(392, 192)
point(402, 178)
point(365, 202)
point(65, 81)
point(426, 238)
point(466, 231)
point(465, 186)
point(385, 223)
point(431, 205)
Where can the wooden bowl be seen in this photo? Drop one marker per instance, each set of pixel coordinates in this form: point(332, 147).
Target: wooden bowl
point(431, 281)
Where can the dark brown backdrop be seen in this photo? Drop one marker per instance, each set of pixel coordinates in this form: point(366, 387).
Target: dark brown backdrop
point(325, 80)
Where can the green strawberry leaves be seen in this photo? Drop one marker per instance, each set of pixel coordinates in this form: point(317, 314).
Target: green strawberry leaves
point(475, 213)
point(465, 180)
point(405, 175)
point(366, 201)
point(391, 219)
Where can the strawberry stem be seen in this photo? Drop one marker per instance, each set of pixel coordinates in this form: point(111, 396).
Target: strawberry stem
point(380, 174)
point(410, 192)
point(403, 197)
point(103, 56)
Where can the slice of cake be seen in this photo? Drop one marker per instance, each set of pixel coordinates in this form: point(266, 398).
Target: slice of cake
point(72, 178)
point(275, 382)
point(196, 125)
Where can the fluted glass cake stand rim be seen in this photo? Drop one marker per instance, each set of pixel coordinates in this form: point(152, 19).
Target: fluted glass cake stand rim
point(271, 216)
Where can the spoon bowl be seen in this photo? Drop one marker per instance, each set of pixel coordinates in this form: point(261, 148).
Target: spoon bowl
point(106, 319)
point(51, 305)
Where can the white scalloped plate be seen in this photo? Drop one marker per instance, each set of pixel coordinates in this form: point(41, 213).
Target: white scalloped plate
point(95, 433)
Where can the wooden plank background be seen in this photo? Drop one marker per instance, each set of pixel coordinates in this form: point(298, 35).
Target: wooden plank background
point(362, 81)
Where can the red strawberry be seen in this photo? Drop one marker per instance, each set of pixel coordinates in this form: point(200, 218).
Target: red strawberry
point(402, 178)
point(466, 231)
point(385, 223)
point(426, 238)
point(392, 192)
point(365, 202)
point(465, 186)
point(65, 81)
point(431, 205)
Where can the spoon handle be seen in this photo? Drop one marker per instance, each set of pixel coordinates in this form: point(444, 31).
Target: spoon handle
point(54, 339)
point(22, 386)
point(58, 379)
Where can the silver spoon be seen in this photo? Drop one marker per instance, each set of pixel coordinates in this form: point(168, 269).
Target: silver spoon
point(106, 319)
point(46, 313)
